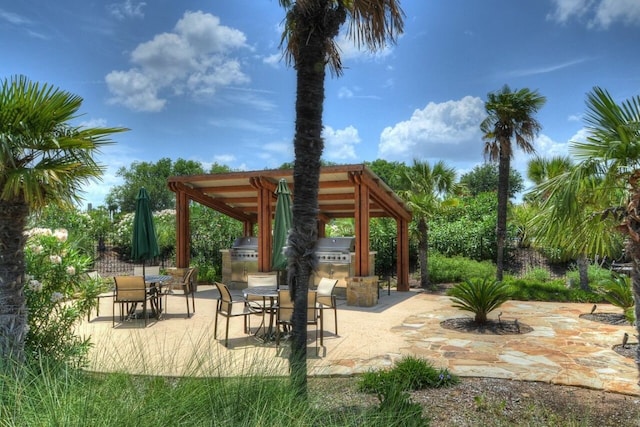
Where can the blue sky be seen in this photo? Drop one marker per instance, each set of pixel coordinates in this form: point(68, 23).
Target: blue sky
point(204, 80)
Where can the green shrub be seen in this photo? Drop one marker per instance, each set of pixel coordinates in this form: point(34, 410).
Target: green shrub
point(523, 289)
point(617, 291)
point(538, 274)
point(58, 295)
point(595, 274)
point(443, 269)
point(410, 373)
point(479, 296)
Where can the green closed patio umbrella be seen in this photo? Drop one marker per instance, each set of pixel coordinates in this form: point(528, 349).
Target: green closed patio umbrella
point(282, 224)
point(144, 244)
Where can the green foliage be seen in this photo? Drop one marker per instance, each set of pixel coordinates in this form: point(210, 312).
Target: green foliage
point(595, 274)
point(153, 177)
point(531, 289)
point(58, 296)
point(35, 396)
point(617, 291)
point(389, 172)
point(467, 229)
point(454, 269)
point(538, 274)
point(479, 296)
point(484, 178)
point(410, 373)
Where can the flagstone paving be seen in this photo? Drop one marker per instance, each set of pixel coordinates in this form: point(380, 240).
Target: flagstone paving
point(561, 349)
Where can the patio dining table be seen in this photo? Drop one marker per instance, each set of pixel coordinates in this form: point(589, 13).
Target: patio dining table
point(155, 282)
point(269, 305)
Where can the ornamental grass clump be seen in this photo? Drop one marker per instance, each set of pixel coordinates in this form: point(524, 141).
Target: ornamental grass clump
point(479, 296)
point(391, 387)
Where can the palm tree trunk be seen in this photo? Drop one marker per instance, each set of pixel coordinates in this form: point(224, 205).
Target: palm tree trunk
point(13, 312)
point(308, 146)
point(583, 271)
point(633, 249)
point(423, 248)
point(503, 198)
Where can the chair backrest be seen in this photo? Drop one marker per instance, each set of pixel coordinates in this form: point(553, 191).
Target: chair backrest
point(130, 288)
point(254, 280)
point(325, 286)
point(312, 310)
point(285, 306)
point(190, 277)
point(225, 302)
point(149, 269)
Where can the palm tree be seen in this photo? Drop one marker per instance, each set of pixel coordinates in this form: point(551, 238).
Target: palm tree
point(610, 157)
point(425, 189)
point(43, 160)
point(509, 117)
point(578, 234)
point(311, 27)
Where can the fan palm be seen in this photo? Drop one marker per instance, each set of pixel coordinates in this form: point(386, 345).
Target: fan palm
point(609, 168)
point(311, 27)
point(43, 160)
point(510, 116)
point(426, 188)
point(579, 234)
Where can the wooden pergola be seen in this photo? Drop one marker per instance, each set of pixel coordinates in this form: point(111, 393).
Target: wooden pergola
point(346, 191)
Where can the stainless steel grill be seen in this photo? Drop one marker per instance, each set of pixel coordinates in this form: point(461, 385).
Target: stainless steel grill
point(335, 250)
point(244, 249)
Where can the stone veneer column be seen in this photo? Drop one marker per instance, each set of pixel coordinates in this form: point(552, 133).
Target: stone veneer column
point(362, 291)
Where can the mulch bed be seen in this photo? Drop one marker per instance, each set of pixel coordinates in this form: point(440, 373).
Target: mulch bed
point(493, 327)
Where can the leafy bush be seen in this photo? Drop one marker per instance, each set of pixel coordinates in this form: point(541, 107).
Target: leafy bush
point(58, 295)
point(454, 269)
point(527, 289)
point(538, 274)
point(594, 272)
point(617, 291)
point(410, 373)
point(479, 296)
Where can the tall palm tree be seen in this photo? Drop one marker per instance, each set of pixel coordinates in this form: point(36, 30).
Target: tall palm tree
point(311, 27)
point(610, 156)
point(426, 188)
point(510, 116)
point(43, 160)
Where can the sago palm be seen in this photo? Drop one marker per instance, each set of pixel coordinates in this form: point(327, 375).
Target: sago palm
point(510, 118)
point(311, 27)
point(479, 296)
point(43, 160)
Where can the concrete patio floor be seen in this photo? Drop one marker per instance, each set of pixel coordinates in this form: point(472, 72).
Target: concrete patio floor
point(561, 349)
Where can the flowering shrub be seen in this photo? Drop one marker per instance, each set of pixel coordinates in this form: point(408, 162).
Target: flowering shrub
point(58, 295)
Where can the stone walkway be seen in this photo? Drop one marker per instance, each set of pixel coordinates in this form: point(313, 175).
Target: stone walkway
point(561, 349)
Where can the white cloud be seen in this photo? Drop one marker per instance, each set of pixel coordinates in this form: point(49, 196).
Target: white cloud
point(273, 60)
point(345, 92)
point(544, 69)
point(349, 50)
point(193, 60)
point(224, 159)
point(598, 13)
point(340, 143)
point(13, 18)
point(447, 131)
point(126, 9)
